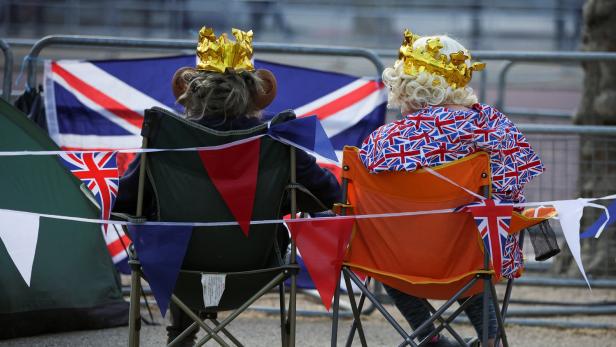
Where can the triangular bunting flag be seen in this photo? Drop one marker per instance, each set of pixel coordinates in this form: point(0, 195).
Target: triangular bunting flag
point(305, 133)
point(161, 250)
point(19, 233)
point(99, 172)
point(233, 170)
point(322, 244)
point(569, 215)
point(493, 218)
point(594, 230)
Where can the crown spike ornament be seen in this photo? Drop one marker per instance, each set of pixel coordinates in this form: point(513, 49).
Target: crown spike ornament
point(219, 54)
point(428, 58)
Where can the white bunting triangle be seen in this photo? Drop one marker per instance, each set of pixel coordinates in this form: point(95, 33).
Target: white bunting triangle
point(19, 233)
point(569, 214)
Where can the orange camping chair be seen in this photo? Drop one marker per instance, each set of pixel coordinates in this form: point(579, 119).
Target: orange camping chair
point(431, 256)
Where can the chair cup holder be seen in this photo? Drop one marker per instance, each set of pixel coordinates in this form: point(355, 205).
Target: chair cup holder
point(543, 239)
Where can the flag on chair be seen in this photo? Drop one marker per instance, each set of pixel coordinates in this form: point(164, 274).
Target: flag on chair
point(493, 218)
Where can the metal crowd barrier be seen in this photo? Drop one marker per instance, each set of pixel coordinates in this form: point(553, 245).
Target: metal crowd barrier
point(8, 70)
point(558, 145)
point(512, 58)
point(168, 44)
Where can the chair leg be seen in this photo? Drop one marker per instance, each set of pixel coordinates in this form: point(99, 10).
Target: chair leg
point(271, 284)
point(445, 322)
point(380, 308)
point(499, 317)
point(335, 311)
point(228, 334)
point(356, 313)
point(360, 308)
point(484, 337)
point(445, 306)
point(211, 332)
point(505, 306)
point(292, 310)
point(284, 333)
point(183, 335)
point(134, 315)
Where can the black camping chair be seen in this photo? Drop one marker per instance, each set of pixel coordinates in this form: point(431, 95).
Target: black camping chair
point(253, 264)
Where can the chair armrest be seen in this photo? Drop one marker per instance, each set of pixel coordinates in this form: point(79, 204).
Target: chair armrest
point(309, 194)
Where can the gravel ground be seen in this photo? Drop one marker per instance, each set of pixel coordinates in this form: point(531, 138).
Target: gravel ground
point(260, 329)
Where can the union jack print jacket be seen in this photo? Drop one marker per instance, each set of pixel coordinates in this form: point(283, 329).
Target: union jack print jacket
point(436, 135)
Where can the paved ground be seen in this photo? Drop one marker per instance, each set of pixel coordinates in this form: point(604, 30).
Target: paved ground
point(259, 329)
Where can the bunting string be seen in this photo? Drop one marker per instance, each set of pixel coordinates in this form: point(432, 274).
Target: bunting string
point(134, 150)
point(281, 221)
point(231, 223)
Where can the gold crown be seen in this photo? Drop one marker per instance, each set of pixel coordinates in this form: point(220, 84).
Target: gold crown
point(218, 54)
point(428, 58)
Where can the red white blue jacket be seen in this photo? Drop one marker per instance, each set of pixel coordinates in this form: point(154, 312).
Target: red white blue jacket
point(436, 135)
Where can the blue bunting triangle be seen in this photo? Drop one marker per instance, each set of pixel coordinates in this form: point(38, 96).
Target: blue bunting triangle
point(305, 133)
point(594, 229)
point(161, 250)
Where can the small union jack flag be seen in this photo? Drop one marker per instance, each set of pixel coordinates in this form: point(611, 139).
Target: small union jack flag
point(493, 218)
point(99, 172)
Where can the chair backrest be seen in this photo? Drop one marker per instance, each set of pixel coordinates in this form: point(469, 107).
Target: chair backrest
point(184, 192)
point(432, 255)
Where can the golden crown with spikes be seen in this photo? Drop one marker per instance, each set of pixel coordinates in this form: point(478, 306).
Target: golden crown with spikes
point(219, 54)
point(428, 58)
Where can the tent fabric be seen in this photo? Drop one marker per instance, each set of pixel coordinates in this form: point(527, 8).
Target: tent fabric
point(430, 256)
point(73, 284)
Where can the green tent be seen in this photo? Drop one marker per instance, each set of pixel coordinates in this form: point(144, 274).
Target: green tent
point(74, 284)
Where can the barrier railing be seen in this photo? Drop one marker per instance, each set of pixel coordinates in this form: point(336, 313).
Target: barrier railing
point(166, 44)
point(512, 58)
point(558, 145)
point(8, 70)
point(374, 57)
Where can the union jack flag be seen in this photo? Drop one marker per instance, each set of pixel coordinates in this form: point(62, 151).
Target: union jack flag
point(493, 218)
point(99, 105)
point(99, 172)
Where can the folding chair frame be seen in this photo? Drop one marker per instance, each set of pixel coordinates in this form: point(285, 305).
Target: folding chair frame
point(287, 317)
point(489, 292)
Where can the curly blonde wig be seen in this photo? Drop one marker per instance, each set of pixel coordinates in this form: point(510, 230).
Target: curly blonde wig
point(410, 93)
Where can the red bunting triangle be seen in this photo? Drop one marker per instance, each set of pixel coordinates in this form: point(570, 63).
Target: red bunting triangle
point(322, 244)
point(233, 171)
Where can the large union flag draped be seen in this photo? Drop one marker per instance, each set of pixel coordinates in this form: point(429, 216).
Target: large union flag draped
point(98, 105)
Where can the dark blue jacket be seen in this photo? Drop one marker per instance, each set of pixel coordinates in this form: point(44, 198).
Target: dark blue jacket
point(317, 180)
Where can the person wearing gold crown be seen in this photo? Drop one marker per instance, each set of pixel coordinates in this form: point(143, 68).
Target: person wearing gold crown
point(225, 92)
point(442, 122)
